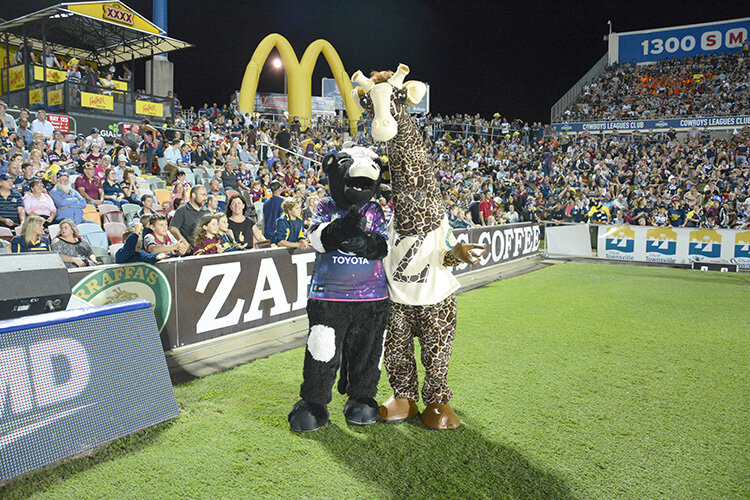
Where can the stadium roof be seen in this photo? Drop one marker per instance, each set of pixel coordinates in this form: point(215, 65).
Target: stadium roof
point(108, 32)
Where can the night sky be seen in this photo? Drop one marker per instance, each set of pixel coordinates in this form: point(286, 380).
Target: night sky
point(515, 58)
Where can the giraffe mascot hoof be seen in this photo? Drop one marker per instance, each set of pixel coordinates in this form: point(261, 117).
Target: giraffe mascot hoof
point(421, 251)
point(347, 307)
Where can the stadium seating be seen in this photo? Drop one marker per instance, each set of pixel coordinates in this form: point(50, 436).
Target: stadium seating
point(54, 230)
point(113, 250)
point(93, 216)
point(108, 207)
point(6, 233)
point(102, 254)
point(113, 216)
point(163, 196)
point(129, 210)
point(114, 231)
point(93, 234)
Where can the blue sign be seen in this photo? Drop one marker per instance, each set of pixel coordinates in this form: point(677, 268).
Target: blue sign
point(72, 380)
point(673, 43)
point(661, 124)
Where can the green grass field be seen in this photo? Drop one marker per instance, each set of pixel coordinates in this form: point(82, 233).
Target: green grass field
point(576, 381)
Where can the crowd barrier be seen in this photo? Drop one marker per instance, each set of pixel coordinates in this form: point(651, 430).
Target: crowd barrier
point(204, 297)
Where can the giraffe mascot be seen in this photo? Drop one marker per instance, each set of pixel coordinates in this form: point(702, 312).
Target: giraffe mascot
point(422, 250)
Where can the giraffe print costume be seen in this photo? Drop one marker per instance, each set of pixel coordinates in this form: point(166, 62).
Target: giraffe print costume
point(421, 285)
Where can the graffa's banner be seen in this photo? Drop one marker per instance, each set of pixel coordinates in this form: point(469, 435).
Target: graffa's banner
point(73, 380)
point(678, 41)
point(204, 297)
point(674, 245)
point(17, 77)
point(712, 122)
point(149, 108)
point(98, 101)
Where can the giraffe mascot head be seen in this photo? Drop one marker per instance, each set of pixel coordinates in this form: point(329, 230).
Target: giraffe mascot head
point(386, 96)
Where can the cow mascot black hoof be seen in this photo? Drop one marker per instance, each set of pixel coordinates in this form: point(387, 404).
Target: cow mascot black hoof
point(348, 305)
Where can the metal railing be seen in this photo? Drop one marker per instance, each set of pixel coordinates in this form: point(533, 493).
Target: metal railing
point(572, 94)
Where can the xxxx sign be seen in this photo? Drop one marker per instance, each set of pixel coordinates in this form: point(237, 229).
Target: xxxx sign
point(119, 15)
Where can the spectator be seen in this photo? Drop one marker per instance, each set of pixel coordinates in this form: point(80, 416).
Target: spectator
point(38, 202)
point(90, 186)
point(226, 236)
point(12, 211)
point(31, 237)
point(187, 216)
point(244, 229)
point(221, 196)
point(50, 59)
point(272, 209)
point(95, 139)
point(132, 250)
point(74, 250)
point(178, 191)
point(6, 120)
point(113, 192)
point(229, 177)
point(42, 125)
point(160, 240)
point(290, 231)
point(206, 238)
point(173, 157)
point(147, 206)
point(68, 202)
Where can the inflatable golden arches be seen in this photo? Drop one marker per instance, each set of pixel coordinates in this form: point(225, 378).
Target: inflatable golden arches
point(299, 77)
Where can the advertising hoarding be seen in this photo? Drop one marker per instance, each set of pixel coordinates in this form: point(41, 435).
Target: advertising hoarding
point(678, 41)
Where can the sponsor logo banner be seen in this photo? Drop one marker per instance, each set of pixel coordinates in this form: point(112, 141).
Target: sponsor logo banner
point(149, 108)
point(73, 380)
point(36, 96)
point(53, 75)
point(98, 101)
point(674, 245)
point(654, 125)
point(55, 97)
point(60, 122)
point(679, 41)
point(128, 282)
point(17, 77)
point(117, 13)
point(216, 295)
point(119, 84)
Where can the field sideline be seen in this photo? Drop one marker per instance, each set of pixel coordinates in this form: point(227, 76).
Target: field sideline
point(575, 381)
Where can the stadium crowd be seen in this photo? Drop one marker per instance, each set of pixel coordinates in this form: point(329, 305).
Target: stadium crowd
point(225, 181)
point(705, 85)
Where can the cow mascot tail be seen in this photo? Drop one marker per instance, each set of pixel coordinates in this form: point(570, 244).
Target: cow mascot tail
point(348, 304)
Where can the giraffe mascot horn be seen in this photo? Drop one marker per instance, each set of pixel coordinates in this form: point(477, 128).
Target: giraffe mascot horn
point(421, 251)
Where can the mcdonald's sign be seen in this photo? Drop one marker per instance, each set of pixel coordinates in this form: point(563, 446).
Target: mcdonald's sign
point(299, 77)
point(149, 108)
point(97, 101)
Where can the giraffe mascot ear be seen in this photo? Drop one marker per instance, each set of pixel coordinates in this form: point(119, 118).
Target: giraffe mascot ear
point(415, 91)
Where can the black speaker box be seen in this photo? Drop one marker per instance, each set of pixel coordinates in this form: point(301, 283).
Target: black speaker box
point(32, 283)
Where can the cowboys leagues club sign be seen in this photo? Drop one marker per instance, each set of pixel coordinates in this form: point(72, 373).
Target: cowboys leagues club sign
point(659, 124)
point(203, 297)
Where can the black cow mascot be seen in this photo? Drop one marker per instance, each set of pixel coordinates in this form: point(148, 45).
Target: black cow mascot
point(348, 304)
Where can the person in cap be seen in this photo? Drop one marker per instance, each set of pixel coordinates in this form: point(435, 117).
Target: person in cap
point(95, 139)
point(68, 201)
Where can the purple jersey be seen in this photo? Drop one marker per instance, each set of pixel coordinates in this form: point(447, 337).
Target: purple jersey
point(344, 276)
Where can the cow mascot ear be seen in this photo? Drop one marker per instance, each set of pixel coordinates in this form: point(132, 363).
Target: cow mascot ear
point(329, 160)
